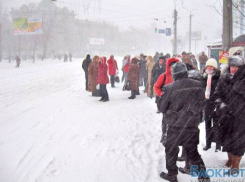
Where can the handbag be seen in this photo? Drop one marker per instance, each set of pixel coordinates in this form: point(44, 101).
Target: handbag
point(97, 91)
point(117, 79)
point(127, 87)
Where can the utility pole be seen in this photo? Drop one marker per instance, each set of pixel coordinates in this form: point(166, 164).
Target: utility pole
point(190, 33)
point(227, 37)
point(175, 31)
point(1, 20)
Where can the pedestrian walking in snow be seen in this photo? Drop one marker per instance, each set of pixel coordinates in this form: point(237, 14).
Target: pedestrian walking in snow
point(133, 77)
point(65, 58)
point(85, 66)
point(210, 78)
point(182, 105)
point(70, 57)
point(18, 60)
point(230, 98)
point(112, 65)
point(103, 79)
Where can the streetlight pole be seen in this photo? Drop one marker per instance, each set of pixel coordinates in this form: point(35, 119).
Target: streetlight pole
point(190, 29)
point(175, 28)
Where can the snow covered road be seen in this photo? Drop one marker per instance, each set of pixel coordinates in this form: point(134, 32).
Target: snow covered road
point(51, 129)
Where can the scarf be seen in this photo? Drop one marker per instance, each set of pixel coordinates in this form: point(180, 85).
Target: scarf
point(209, 83)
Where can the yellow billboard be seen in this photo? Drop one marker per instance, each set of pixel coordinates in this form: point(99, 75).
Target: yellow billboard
point(27, 26)
point(223, 57)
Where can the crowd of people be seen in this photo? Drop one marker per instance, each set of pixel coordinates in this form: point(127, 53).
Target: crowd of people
point(187, 92)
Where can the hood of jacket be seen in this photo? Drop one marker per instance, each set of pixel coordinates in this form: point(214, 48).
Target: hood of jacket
point(169, 61)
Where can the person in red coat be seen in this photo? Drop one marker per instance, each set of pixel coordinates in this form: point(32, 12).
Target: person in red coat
point(103, 79)
point(126, 64)
point(112, 64)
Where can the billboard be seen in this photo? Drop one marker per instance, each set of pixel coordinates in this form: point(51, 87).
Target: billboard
point(196, 35)
point(223, 57)
point(97, 41)
point(27, 26)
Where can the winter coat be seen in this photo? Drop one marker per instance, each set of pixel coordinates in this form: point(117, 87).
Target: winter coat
point(102, 74)
point(165, 78)
point(133, 75)
point(187, 60)
point(182, 103)
point(126, 68)
point(17, 60)
point(210, 104)
point(149, 68)
point(156, 57)
point(202, 59)
point(231, 92)
point(93, 75)
point(156, 72)
point(143, 71)
point(112, 65)
point(86, 63)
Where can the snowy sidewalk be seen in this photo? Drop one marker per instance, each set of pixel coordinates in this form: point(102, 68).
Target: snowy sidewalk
point(51, 129)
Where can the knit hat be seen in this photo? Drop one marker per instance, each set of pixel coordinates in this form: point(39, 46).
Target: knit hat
point(212, 62)
point(235, 61)
point(178, 68)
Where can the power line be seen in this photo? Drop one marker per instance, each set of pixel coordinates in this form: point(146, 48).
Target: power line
point(107, 10)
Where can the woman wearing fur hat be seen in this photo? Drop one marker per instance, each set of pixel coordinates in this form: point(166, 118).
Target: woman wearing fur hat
point(93, 74)
point(133, 77)
point(103, 79)
point(210, 78)
point(230, 93)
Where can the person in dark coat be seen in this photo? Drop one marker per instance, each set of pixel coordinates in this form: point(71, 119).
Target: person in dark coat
point(182, 105)
point(65, 58)
point(158, 69)
point(143, 71)
point(18, 60)
point(103, 79)
point(85, 66)
point(210, 78)
point(156, 57)
point(133, 77)
point(164, 79)
point(230, 94)
point(70, 57)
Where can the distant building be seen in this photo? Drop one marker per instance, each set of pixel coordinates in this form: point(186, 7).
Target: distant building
point(238, 18)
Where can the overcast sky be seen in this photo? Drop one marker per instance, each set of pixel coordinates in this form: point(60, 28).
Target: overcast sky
point(142, 13)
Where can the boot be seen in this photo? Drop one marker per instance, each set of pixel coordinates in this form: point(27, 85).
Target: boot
point(102, 98)
point(235, 164)
point(184, 170)
point(218, 147)
point(132, 95)
point(230, 160)
point(165, 176)
point(208, 146)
